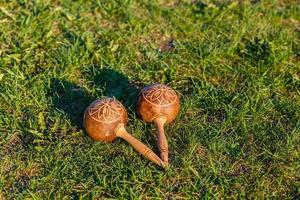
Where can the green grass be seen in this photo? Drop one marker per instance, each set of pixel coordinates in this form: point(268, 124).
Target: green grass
point(236, 65)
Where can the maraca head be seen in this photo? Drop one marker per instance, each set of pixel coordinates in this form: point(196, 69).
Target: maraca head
point(102, 118)
point(158, 100)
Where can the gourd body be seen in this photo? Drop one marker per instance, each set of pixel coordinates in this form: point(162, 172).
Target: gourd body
point(103, 117)
point(158, 100)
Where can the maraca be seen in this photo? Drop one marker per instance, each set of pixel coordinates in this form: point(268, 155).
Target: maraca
point(158, 103)
point(104, 120)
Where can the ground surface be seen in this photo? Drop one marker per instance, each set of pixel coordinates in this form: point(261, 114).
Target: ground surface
point(236, 65)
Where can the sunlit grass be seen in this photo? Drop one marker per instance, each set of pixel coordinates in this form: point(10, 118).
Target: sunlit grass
point(235, 65)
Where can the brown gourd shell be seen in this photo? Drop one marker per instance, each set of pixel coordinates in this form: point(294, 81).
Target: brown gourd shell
point(158, 100)
point(102, 117)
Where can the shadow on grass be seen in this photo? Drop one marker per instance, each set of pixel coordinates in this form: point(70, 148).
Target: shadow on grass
point(72, 99)
point(114, 84)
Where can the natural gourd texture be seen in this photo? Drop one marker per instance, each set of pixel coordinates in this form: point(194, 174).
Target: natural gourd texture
point(103, 117)
point(159, 103)
point(104, 120)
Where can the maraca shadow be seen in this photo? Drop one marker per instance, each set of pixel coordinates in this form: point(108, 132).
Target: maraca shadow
point(114, 84)
point(73, 99)
point(70, 98)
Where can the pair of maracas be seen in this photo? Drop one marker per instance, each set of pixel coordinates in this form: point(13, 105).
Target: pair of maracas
point(105, 119)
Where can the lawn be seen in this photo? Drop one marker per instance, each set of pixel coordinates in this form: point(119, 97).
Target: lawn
point(235, 65)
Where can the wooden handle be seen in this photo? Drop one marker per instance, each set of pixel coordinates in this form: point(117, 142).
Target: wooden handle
point(162, 142)
point(140, 147)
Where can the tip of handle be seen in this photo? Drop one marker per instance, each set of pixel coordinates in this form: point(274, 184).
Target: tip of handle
point(165, 165)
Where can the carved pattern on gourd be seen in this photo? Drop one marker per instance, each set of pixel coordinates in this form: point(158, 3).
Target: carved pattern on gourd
point(106, 110)
point(160, 95)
